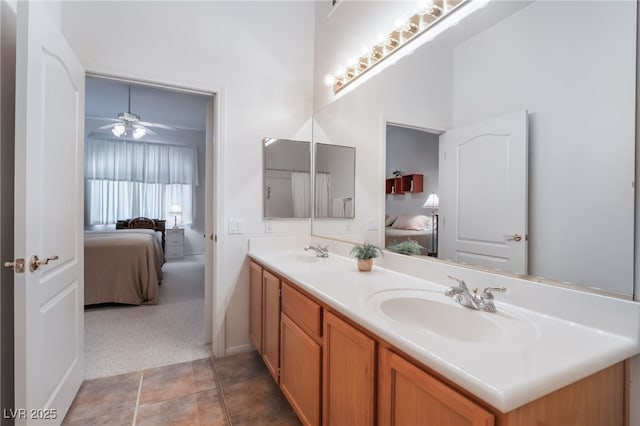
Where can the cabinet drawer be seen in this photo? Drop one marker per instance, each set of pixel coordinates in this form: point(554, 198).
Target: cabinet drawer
point(306, 313)
point(174, 251)
point(173, 237)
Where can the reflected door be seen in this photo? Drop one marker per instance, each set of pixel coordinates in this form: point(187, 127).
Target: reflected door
point(483, 194)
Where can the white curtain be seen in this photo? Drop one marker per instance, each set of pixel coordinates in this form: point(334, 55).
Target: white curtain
point(323, 194)
point(301, 193)
point(126, 179)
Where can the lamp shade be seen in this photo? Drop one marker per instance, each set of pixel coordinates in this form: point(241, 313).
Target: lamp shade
point(175, 209)
point(433, 202)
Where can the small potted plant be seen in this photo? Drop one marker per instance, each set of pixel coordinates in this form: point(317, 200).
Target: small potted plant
point(365, 253)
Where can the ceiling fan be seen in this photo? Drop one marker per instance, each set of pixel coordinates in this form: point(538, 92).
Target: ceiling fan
point(129, 123)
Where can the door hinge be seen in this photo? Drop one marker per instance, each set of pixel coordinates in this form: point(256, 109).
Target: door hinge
point(278, 371)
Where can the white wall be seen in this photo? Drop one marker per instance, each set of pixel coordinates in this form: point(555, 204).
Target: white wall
point(581, 150)
point(263, 73)
point(412, 151)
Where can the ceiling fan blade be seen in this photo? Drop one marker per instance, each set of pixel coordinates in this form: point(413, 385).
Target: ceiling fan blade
point(108, 126)
point(158, 125)
point(93, 117)
point(146, 129)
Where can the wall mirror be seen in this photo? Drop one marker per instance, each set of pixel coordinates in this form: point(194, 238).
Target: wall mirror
point(287, 178)
point(334, 181)
point(579, 95)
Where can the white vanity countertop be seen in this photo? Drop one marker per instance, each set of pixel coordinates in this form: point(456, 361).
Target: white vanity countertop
point(543, 353)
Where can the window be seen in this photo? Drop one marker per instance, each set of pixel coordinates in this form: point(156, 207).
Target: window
point(126, 179)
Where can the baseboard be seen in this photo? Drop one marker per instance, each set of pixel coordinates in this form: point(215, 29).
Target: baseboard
point(234, 350)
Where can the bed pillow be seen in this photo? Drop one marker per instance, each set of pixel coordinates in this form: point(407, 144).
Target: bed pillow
point(388, 220)
point(417, 222)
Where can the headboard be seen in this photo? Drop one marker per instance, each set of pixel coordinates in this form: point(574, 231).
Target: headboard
point(143, 223)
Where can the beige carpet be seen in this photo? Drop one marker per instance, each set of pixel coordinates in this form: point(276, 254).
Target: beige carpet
point(121, 339)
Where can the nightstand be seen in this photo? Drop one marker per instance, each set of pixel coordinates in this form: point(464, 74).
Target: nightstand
point(174, 246)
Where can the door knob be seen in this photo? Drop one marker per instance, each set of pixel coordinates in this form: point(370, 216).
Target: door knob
point(17, 265)
point(35, 261)
point(514, 237)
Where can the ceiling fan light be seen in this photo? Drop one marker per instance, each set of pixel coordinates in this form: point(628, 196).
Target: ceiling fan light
point(118, 130)
point(139, 132)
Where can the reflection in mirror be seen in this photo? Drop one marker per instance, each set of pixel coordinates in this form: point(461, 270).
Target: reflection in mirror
point(287, 178)
point(411, 176)
point(335, 181)
point(580, 96)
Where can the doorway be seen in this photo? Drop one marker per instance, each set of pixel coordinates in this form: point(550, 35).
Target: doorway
point(411, 171)
point(178, 328)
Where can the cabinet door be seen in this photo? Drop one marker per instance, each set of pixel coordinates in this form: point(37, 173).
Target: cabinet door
point(271, 322)
point(409, 396)
point(255, 305)
point(348, 378)
point(300, 361)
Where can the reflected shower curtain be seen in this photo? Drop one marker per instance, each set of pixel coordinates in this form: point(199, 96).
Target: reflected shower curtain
point(323, 194)
point(301, 193)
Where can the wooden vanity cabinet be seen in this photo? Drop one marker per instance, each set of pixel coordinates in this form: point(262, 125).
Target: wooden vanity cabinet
point(328, 368)
point(301, 354)
point(255, 305)
point(271, 323)
point(409, 396)
point(348, 396)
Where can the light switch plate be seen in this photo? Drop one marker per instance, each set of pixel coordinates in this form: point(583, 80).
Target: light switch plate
point(268, 228)
point(236, 226)
point(372, 224)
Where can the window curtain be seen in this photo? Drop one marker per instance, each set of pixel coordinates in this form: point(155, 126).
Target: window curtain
point(323, 194)
point(126, 179)
point(301, 193)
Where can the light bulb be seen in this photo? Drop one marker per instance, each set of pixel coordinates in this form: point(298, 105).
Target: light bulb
point(367, 50)
point(139, 132)
point(118, 130)
point(400, 24)
point(329, 80)
point(424, 6)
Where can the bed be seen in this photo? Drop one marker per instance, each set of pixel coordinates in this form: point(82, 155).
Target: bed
point(122, 266)
point(409, 227)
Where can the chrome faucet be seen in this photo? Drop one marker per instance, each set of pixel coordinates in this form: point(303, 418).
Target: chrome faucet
point(463, 296)
point(321, 251)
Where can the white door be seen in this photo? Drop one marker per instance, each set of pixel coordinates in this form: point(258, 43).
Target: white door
point(48, 218)
point(483, 194)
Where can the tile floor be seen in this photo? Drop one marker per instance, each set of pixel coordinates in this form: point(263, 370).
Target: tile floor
point(236, 390)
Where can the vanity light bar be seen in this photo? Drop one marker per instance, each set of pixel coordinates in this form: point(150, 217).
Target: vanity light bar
point(429, 13)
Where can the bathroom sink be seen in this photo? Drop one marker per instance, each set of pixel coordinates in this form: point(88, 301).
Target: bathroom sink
point(433, 313)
